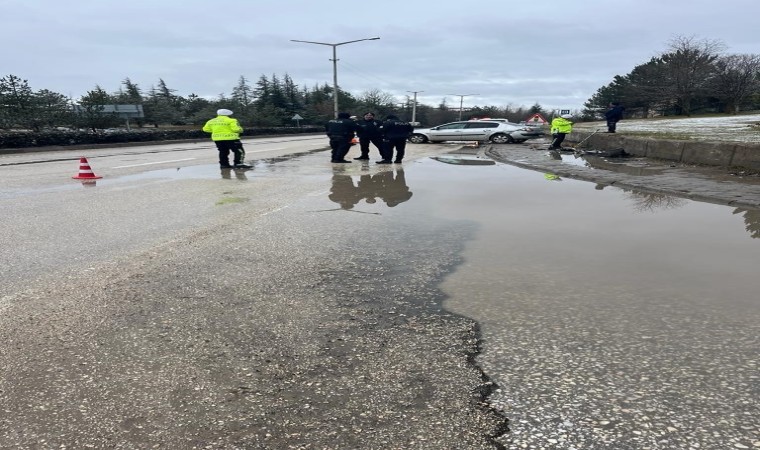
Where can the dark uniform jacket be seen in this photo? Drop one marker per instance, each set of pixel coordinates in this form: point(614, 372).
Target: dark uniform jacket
point(615, 113)
point(369, 128)
point(396, 129)
point(340, 128)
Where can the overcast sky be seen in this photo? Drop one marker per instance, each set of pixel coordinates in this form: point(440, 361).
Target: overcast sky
point(555, 53)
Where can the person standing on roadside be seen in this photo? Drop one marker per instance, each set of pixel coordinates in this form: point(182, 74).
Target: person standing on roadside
point(395, 133)
point(225, 132)
point(613, 115)
point(340, 131)
point(369, 130)
point(560, 128)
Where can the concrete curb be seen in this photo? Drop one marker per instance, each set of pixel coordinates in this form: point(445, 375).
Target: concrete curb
point(723, 154)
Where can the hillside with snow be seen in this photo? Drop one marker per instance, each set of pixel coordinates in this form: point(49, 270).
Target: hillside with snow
point(739, 128)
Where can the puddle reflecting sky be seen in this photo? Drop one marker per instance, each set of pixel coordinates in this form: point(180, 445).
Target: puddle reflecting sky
point(569, 225)
point(604, 306)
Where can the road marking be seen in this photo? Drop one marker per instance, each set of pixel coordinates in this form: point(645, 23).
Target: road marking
point(265, 150)
point(151, 163)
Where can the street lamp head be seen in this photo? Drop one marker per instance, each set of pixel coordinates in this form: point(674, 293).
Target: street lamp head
point(335, 63)
point(337, 43)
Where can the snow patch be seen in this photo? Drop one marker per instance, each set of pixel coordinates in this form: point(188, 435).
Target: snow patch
point(744, 128)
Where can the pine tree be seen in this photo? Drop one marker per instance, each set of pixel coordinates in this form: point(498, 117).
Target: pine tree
point(92, 106)
point(16, 102)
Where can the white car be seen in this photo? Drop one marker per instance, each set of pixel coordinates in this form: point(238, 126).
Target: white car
point(475, 130)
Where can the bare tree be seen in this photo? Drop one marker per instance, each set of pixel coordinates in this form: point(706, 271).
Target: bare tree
point(736, 78)
point(644, 201)
point(376, 100)
point(689, 65)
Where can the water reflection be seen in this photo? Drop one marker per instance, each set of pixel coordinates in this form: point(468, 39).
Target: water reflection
point(239, 174)
point(751, 221)
point(389, 186)
point(464, 160)
point(650, 202)
point(647, 201)
point(597, 162)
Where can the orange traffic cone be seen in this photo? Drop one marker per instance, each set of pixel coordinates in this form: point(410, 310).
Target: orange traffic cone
point(85, 172)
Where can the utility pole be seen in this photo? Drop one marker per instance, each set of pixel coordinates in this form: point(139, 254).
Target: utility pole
point(461, 100)
point(414, 106)
point(335, 63)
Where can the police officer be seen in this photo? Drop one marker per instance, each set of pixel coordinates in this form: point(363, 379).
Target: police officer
point(395, 133)
point(340, 131)
point(561, 127)
point(613, 115)
point(369, 131)
point(225, 132)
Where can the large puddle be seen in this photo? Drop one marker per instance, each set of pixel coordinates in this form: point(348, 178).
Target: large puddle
point(610, 319)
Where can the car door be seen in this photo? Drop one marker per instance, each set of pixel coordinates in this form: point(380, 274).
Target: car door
point(447, 132)
point(478, 131)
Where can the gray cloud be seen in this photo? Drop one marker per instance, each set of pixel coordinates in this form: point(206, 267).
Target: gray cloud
point(556, 53)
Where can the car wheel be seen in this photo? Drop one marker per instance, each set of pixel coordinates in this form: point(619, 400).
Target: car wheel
point(418, 139)
point(501, 138)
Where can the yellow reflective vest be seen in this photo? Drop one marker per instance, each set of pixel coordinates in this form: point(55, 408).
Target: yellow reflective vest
point(223, 128)
point(560, 125)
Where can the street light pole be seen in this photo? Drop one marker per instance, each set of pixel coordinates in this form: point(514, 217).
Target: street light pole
point(414, 106)
point(461, 100)
point(335, 64)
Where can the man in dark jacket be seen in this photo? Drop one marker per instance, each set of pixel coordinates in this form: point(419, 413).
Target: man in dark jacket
point(369, 131)
point(340, 131)
point(395, 134)
point(613, 116)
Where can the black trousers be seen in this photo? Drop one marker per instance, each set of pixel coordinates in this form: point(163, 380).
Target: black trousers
point(611, 125)
point(364, 142)
point(557, 142)
point(340, 147)
point(399, 144)
point(225, 147)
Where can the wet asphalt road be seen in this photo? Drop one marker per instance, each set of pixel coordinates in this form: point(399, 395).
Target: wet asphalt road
point(286, 322)
point(278, 321)
point(608, 327)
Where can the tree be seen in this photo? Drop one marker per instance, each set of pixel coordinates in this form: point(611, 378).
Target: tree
point(197, 110)
point(292, 95)
point(91, 113)
point(242, 94)
point(16, 101)
point(689, 65)
point(645, 88)
point(131, 94)
point(164, 93)
point(736, 78)
point(243, 100)
point(51, 109)
point(377, 101)
point(162, 106)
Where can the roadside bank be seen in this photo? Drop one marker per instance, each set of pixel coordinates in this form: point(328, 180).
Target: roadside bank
point(724, 154)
